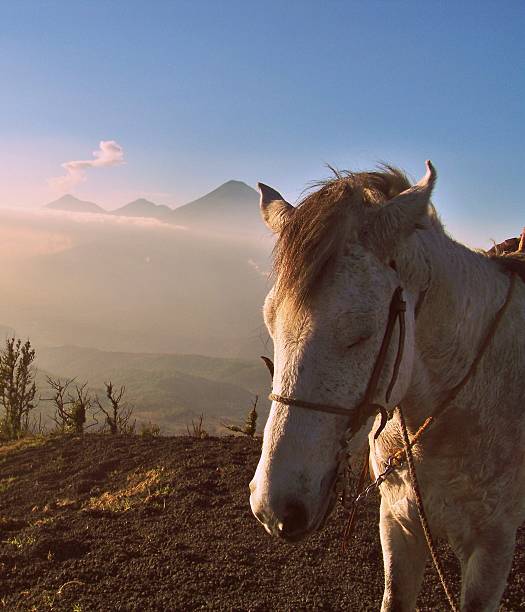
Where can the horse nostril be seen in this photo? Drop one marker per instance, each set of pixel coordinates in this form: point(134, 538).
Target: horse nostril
point(295, 521)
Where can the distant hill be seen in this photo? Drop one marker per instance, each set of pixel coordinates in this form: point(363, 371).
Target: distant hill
point(233, 208)
point(144, 208)
point(71, 204)
point(168, 389)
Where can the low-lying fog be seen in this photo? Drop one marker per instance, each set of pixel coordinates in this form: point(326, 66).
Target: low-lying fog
point(131, 284)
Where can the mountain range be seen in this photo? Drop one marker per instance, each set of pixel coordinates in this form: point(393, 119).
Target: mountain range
point(192, 282)
point(171, 309)
point(231, 208)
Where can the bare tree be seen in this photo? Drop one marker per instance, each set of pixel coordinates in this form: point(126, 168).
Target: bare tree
point(61, 400)
point(17, 387)
point(81, 402)
point(118, 414)
point(71, 406)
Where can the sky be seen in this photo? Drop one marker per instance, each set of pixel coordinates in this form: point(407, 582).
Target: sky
point(168, 99)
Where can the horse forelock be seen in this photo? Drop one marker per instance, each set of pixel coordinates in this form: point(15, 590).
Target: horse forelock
point(314, 236)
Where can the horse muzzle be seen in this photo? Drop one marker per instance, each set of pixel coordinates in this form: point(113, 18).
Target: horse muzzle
point(292, 519)
point(291, 524)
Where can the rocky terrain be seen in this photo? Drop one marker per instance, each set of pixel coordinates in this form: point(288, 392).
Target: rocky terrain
point(135, 523)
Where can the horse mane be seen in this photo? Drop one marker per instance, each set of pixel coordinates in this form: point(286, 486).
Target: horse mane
point(313, 236)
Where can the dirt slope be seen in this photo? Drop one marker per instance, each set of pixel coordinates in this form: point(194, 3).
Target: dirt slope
point(164, 524)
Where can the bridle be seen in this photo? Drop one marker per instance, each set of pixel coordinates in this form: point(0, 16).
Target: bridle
point(359, 415)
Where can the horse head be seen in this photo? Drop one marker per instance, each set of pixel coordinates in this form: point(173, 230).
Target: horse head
point(334, 274)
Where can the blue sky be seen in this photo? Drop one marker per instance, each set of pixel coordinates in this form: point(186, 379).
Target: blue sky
point(197, 93)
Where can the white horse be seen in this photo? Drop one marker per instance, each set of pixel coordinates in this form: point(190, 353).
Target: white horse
point(338, 259)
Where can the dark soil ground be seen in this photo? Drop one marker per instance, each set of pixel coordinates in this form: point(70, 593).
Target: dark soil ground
point(131, 523)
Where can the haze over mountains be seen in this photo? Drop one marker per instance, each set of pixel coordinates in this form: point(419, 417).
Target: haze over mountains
point(189, 280)
point(145, 285)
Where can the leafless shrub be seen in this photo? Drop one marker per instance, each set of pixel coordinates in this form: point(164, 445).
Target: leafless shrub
point(72, 403)
point(197, 429)
point(250, 424)
point(60, 400)
point(118, 414)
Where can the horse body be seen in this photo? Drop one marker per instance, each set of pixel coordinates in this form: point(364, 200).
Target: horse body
point(471, 467)
point(326, 319)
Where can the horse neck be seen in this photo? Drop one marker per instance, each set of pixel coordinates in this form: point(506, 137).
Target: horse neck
point(463, 293)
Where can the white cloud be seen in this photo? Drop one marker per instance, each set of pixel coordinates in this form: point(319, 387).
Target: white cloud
point(109, 153)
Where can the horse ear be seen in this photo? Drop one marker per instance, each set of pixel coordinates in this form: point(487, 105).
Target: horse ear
point(274, 209)
point(399, 217)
